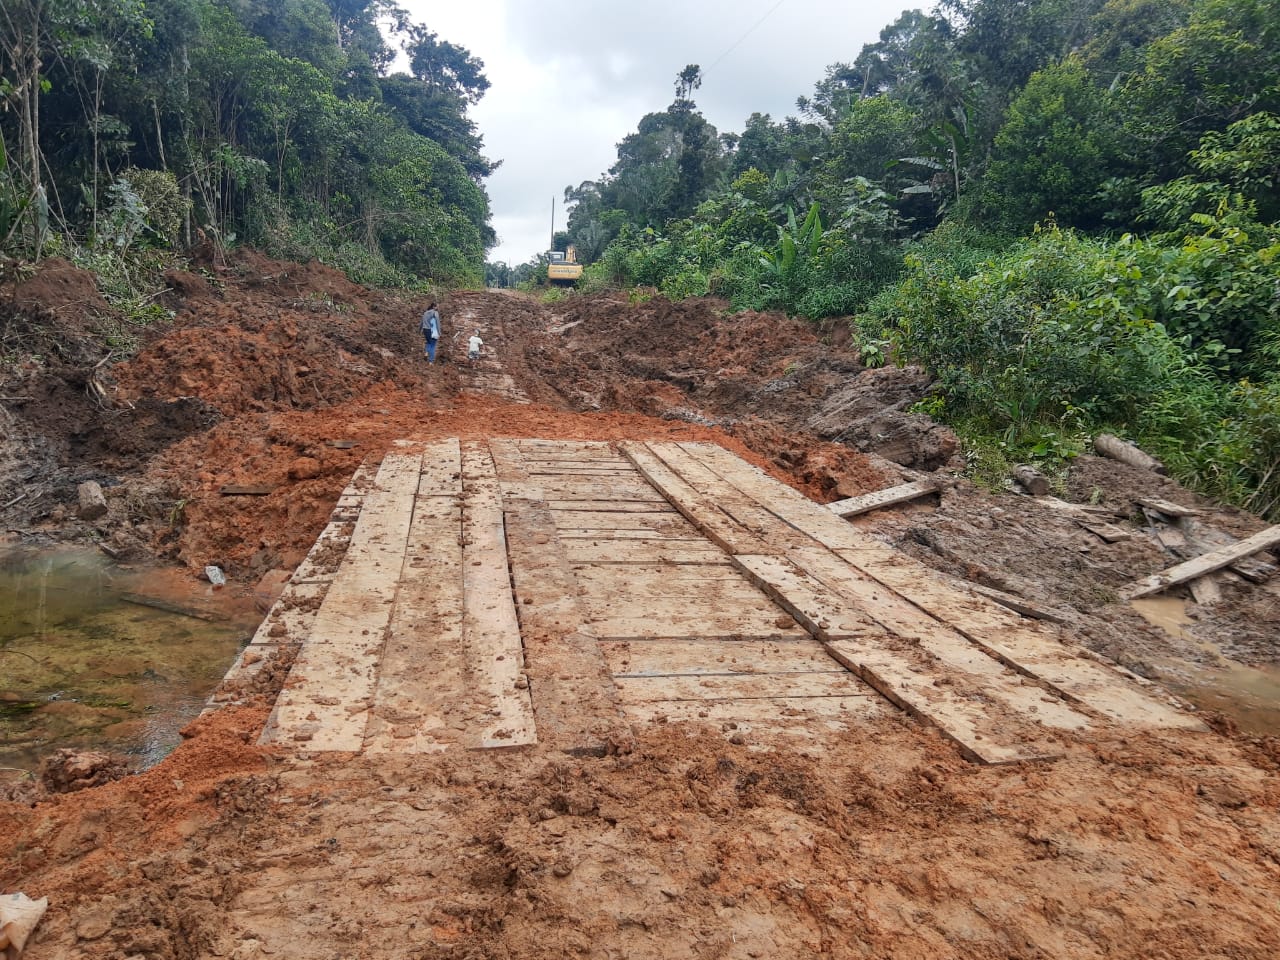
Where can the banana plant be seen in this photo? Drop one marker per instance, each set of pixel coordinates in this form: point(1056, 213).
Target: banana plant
point(793, 239)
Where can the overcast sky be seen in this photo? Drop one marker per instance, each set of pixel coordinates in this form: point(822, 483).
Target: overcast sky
point(571, 79)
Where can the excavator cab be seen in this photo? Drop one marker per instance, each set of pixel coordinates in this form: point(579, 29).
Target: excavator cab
point(563, 268)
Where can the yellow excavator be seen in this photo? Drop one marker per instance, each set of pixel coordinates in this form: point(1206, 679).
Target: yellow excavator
point(563, 268)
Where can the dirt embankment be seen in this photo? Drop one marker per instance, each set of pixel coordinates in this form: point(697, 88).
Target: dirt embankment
point(696, 844)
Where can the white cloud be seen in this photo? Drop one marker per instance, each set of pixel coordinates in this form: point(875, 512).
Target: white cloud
point(570, 80)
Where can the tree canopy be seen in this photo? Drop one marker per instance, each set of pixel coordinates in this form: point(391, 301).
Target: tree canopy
point(276, 121)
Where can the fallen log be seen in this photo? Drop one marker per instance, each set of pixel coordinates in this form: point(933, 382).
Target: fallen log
point(1211, 561)
point(1112, 446)
point(1032, 480)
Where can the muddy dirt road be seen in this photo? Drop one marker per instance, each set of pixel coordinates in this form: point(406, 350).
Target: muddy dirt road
point(699, 840)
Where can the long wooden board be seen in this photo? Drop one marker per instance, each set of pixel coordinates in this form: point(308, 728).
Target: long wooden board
point(661, 658)
point(800, 714)
point(420, 704)
point(491, 631)
point(575, 704)
point(595, 550)
point(903, 493)
point(325, 702)
point(840, 683)
point(1207, 563)
point(992, 718)
point(664, 522)
point(441, 469)
point(700, 510)
point(1023, 645)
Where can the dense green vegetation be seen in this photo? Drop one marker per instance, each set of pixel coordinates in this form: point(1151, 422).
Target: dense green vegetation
point(1065, 209)
point(273, 122)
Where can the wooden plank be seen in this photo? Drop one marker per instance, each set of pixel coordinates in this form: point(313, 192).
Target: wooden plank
point(992, 714)
point(685, 602)
point(902, 493)
point(1167, 507)
point(664, 626)
point(665, 521)
point(771, 713)
point(441, 469)
point(325, 702)
point(658, 658)
point(685, 534)
point(576, 706)
point(1028, 608)
point(1214, 560)
point(595, 550)
point(614, 505)
point(748, 513)
point(1106, 532)
point(633, 489)
point(698, 509)
point(534, 445)
point(1022, 645)
point(588, 472)
point(491, 629)
point(840, 683)
point(323, 559)
point(421, 703)
point(1203, 538)
point(790, 506)
point(245, 490)
point(653, 578)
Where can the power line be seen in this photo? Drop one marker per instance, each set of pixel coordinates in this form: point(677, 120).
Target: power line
point(750, 31)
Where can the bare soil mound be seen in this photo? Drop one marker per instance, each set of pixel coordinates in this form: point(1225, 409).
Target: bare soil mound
point(700, 842)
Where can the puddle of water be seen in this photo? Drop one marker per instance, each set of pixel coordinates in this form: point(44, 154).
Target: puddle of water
point(1250, 696)
point(82, 667)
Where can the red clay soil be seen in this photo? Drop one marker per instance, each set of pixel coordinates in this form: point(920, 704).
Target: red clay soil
point(700, 842)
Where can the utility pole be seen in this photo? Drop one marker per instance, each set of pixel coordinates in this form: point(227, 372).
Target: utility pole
point(552, 245)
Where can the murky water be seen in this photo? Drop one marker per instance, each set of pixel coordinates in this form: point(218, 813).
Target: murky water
point(1250, 696)
point(82, 666)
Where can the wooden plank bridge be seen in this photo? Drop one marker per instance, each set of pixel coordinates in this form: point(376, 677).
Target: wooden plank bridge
point(479, 595)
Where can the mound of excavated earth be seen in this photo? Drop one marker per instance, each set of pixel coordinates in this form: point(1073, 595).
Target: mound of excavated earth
point(725, 722)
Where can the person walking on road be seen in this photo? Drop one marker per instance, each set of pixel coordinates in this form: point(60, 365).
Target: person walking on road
point(430, 327)
point(474, 345)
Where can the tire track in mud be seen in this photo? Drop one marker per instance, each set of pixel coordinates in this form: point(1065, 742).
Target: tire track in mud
point(487, 374)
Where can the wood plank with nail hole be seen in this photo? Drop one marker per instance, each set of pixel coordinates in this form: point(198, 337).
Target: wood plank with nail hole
point(575, 703)
point(325, 701)
point(1026, 646)
point(491, 631)
point(990, 716)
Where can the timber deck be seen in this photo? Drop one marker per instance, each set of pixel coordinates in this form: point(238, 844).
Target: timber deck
point(480, 595)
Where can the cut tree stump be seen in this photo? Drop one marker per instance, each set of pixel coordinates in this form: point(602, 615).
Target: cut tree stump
point(889, 497)
point(93, 504)
point(1211, 561)
point(1032, 480)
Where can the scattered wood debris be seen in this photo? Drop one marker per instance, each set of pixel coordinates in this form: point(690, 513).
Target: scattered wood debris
point(902, 493)
point(1209, 562)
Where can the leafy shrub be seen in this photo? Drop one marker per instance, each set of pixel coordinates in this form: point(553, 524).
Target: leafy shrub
point(1063, 335)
